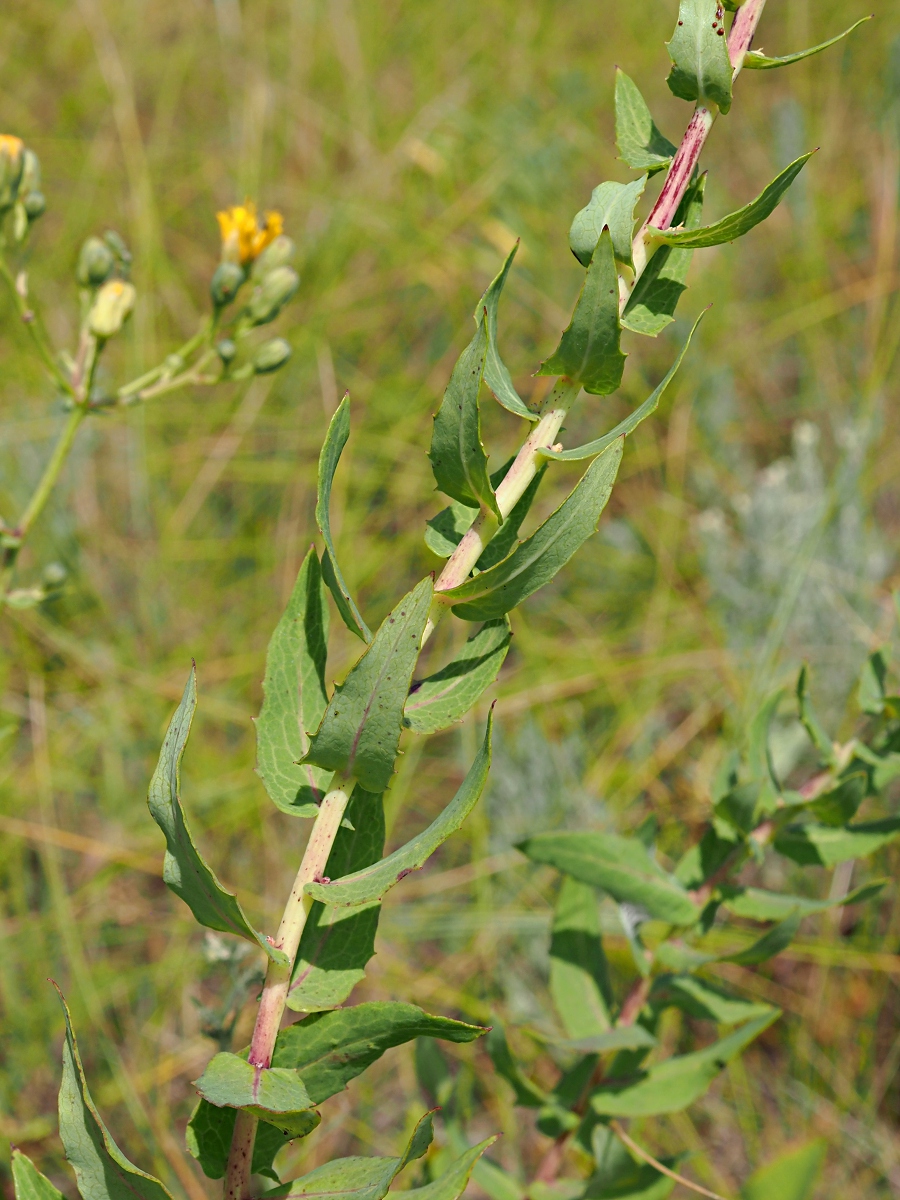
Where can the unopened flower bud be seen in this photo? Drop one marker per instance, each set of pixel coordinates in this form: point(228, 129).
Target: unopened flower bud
point(272, 294)
point(35, 205)
point(226, 283)
point(116, 243)
point(95, 263)
point(271, 355)
point(279, 253)
point(54, 575)
point(111, 308)
point(226, 350)
point(12, 162)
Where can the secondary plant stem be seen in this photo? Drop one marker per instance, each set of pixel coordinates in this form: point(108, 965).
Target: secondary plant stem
point(278, 981)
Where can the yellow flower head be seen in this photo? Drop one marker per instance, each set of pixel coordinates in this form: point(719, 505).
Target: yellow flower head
point(12, 160)
point(10, 146)
point(244, 236)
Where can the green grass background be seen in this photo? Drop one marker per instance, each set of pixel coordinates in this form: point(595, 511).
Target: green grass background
point(408, 143)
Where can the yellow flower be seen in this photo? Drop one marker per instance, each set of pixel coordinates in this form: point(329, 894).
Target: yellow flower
point(244, 237)
point(12, 159)
point(10, 146)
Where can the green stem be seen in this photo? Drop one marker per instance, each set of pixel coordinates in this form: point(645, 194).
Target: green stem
point(133, 389)
point(31, 323)
point(278, 981)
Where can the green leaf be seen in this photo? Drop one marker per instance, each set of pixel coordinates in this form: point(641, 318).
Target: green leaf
point(619, 865)
point(706, 857)
point(872, 692)
point(654, 298)
point(337, 943)
point(101, 1169)
point(701, 68)
point(588, 352)
point(639, 142)
point(496, 376)
point(701, 1000)
point(445, 531)
point(29, 1183)
point(579, 975)
point(208, 1140)
point(839, 805)
point(823, 845)
point(755, 60)
point(738, 223)
point(535, 561)
point(452, 1184)
point(528, 1094)
point(295, 697)
point(329, 1049)
point(458, 458)
point(632, 421)
point(273, 1094)
point(506, 536)
point(791, 1176)
point(811, 722)
point(611, 207)
point(184, 870)
point(759, 905)
point(371, 883)
point(618, 1177)
point(360, 730)
point(672, 1085)
point(335, 441)
point(625, 1037)
point(778, 938)
point(362, 1178)
point(445, 697)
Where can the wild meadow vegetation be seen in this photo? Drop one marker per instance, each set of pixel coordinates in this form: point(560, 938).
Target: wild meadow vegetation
point(673, 903)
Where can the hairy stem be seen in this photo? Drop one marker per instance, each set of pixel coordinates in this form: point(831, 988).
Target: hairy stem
point(278, 981)
point(524, 468)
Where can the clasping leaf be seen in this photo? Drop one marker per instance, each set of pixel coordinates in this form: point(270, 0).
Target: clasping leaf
point(611, 207)
point(701, 68)
point(184, 869)
point(445, 697)
point(639, 142)
point(275, 1095)
point(755, 60)
point(496, 376)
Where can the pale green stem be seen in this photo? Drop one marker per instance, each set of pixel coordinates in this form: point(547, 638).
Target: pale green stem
point(128, 390)
point(542, 436)
point(30, 321)
point(278, 981)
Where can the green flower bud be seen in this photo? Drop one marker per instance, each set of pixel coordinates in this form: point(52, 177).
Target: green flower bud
point(279, 253)
point(271, 355)
point(12, 163)
point(272, 294)
point(111, 308)
point(95, 263)
point(226, 283)
point(54, 575)
point(226, 350)
point(31, 174)
point(35, 205)
point(117, 244)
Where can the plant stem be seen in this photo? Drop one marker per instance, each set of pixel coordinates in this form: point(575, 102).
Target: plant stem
point(520, 474)
point(278, 981)
point(30, 321)
point(128, 390)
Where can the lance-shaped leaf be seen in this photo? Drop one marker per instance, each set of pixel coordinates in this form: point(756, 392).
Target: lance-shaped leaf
point(361, 1178)
point(672, 1085)
point(452, 1183)
point(458, 458)
point(624, 1037)
point(588, 352)
point(101, 1169)
point(329, 1049)
point(208, 1139)
point(527, 1093)
point(776, 939)
point(335, 441)
point(618, 1177)
point(360, 730)
point(759, 905)
point(496, 376)
point(295, 697)
point(363, 887)
point(611, 207)
point(639, 142)
point(823, 845)
point(535, 561)
point(790, 1176)
point(755, 60)
point(654, 298)
point(579, 975)
point(701, 68)
point(184, 870)
point(872, 692)
point(445, 531)
point(701, 1000)
point(337, 943)
point(631, 422)
point(275, 1095)
point(619, 865)
point(811, 723)
point(28, 1182)
point(445, 697)
point(738, 223)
